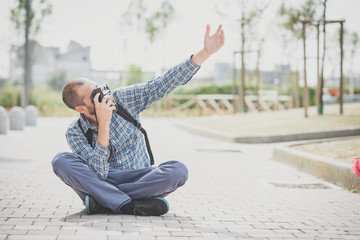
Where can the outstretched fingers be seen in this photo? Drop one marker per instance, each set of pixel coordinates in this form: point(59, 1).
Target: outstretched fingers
point(222, 38)
point(207, 33)
point(218, 31)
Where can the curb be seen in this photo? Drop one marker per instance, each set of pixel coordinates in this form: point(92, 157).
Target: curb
point(331, 170)
point(343, 132)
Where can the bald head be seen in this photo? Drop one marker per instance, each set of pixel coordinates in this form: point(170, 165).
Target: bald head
point(70, 94)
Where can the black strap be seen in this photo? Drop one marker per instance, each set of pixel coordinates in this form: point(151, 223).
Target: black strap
point(127, 116)
point(88, 134)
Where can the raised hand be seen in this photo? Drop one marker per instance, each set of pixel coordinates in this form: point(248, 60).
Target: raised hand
point(214, 42)
point(211, 45)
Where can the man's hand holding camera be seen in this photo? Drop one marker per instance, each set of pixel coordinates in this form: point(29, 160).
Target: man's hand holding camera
point(104, 111)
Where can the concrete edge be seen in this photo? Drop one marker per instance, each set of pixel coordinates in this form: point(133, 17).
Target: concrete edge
point(330, 170)
point(202, 131)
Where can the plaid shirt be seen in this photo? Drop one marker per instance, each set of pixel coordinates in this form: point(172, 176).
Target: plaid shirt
point(127, 145)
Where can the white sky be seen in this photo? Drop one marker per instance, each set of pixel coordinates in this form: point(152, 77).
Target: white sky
point(96, 24)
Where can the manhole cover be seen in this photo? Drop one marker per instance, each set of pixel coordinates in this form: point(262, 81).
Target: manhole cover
point(301, 185)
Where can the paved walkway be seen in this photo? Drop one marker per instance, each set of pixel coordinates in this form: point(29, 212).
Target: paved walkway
point(234, 191)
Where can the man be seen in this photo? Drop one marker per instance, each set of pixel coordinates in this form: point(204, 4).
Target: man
point(111, 171)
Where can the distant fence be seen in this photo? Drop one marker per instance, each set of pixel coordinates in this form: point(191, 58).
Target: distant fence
point(205, 104)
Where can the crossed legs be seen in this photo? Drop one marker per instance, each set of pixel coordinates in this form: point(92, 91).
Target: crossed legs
point(121, 186)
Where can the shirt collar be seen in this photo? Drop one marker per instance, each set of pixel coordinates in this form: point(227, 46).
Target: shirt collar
point(85, 123)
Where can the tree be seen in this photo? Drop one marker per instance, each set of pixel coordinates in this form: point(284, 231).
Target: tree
point(247, 21)
point(320, 91)
point(151, 22)
point(249, 17)
point(290, 21)
point(39, 9)
point(27, 16)
point(290, 17)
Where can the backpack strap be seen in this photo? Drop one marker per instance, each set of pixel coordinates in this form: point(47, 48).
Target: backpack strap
point(127, 116)
point(88, 134)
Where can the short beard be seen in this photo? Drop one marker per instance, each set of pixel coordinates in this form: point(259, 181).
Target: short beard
point(91, 110)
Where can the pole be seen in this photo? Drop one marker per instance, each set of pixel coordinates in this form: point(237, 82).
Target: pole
point(317, 99)
point(341, 66)
point(234, 84)
point(305, 91)
point(25, 99)
point(242, 74)
point(258, 76)
point(321, 104)
point(297, 97)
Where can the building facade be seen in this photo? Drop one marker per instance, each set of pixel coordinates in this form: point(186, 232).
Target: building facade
point(46, 61)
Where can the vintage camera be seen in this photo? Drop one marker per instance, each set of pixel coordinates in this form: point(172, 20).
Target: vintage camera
point(103, 90)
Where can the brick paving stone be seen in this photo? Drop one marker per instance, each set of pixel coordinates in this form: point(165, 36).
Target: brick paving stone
point(31, 237)
point(134, 238)
point(177, 238)
point(27, 227)
point(14, 232)
point(155, 233)
point(229, 193)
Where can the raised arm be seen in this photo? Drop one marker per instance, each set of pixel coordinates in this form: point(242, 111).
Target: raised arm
point(138, 97)
point(211, 45)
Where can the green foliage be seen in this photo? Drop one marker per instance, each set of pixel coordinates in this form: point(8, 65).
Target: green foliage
point(38, 11)
point(49, 103)
point(159, 20)
point(153, 23)
point(58, 80)
point(134, 75)
point(354, 43)
point(206, 89)
point(10, 95)
point(226, 88)
point(292, 16)
point(214, 88)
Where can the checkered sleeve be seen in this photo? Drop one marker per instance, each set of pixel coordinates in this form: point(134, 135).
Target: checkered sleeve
point(138, 97)
point(96, 159)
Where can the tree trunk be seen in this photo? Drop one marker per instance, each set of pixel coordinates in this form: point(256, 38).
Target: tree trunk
point(341, 67)
point(305, 91)
point(27, 72)
point(242, 74)
point(317, 99)
point(321, 106)
point(235, 105)
point(258, 75)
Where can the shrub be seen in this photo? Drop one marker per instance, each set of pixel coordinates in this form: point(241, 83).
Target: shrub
point(10, 96)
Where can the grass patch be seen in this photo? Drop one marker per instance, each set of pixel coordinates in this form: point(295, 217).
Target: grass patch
point(342, 150)
point(282, 122)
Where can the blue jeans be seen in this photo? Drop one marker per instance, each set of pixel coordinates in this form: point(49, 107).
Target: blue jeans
point(121, 186)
